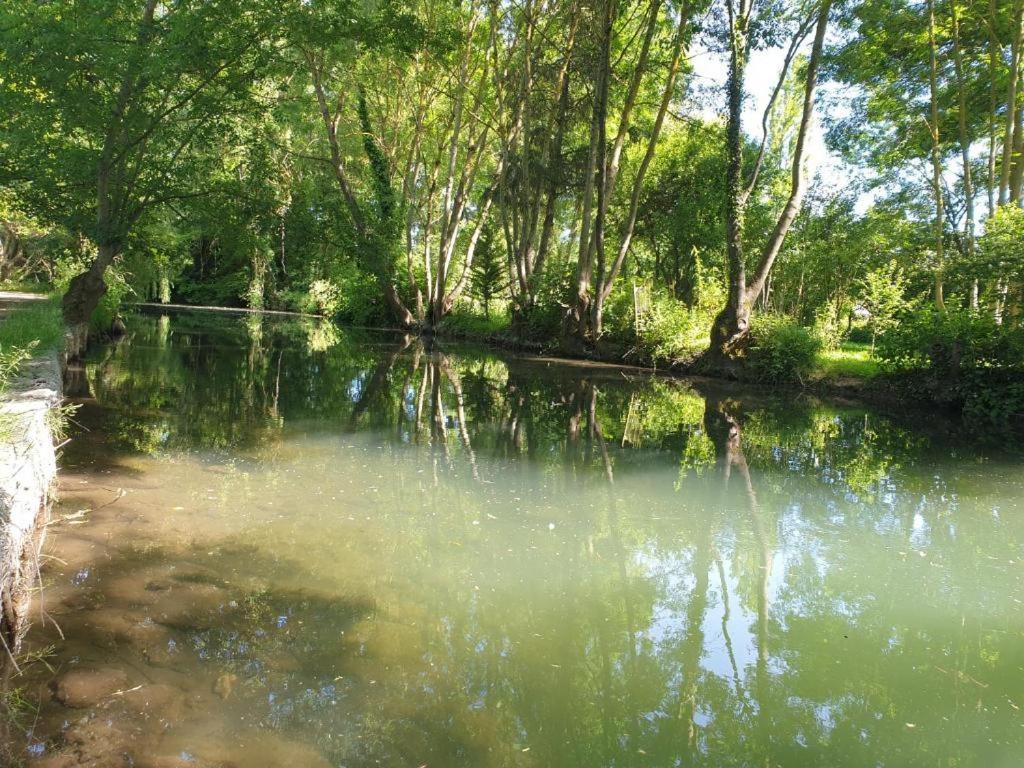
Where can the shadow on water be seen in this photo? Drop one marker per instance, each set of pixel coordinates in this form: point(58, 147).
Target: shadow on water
point(317, 547)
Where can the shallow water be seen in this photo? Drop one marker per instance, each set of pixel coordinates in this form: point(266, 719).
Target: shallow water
point(285, 545)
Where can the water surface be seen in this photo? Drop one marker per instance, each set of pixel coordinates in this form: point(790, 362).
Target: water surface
point(308, 547)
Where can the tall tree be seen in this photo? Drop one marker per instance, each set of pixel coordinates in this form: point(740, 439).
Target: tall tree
point(731, 328)
point(116, 103)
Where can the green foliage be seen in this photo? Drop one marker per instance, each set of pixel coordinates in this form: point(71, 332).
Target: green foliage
point(325, 297)
point(961, 357)
point(1001, 247)
point(360, 303)
point(883, 292)
point(673, 330)
point(463, 321)
point(829, 326)
point(349, 296)
point(944, 343)
point(25, 331)
point(781, 351)
point(111, 305)
point(681, 215)
point(487, 277)
point(11, 360)
point(849, 359)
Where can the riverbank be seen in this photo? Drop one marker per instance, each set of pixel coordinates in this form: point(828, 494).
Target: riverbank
point(846, 373)
point(28, 466)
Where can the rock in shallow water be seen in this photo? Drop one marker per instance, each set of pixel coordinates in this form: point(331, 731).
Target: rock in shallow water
point(81, 688)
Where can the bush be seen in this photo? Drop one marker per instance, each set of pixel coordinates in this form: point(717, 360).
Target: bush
point(361, 302)
point(947, 343)
point(829, 326)
point(673, 330)
point(325, 297)
point(860, 334)
point(350, 296)
point(960, 357)
point(781, 351)
point(669, 331)
point(465, 321)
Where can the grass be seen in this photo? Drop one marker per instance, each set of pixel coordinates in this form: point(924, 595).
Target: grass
point(32, 323)
point(849, 360)
point(26, 329)
point(26, 286)
point(474, 324)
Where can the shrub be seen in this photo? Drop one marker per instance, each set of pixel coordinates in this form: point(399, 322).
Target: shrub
point(781, 350)
point(673, 330)
point(946, 343)
point(669, 331)
point(325, 297)
point(361, 302)
point(829, 326)
point(465, 321)
point(350, 296)
point(960, 357)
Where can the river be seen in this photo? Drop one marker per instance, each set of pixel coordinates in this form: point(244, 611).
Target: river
point(279, 543)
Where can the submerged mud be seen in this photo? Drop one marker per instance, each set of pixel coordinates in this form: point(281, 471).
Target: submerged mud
point(166, 654)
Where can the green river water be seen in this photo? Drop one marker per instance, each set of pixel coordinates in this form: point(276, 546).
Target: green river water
point(285, 544)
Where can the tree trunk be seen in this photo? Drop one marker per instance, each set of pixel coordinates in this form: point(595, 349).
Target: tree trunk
point(584, 266)
point(83, 296)
point(994, 56)
point(606, 283)
point(731, 329)
point(1011, 102)
point(112, 224)
point(733, 323)
point(965, 149)
point(938, 225)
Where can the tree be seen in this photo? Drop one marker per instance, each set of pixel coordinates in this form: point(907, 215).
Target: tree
point(111, 105)
point(730, 331)
point(1002, 254)
point(883, 293)
point(596, 271)
point(488, 277)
